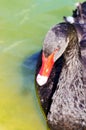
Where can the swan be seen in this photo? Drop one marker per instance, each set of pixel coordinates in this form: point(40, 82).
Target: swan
point(67, 108)
point(78, 19)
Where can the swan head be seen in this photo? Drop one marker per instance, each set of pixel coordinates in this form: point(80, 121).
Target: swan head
point(55, 43)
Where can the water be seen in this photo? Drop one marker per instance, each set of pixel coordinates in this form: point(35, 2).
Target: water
point(23, 25)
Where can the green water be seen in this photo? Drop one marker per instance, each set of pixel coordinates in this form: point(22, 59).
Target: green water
point(23, 25)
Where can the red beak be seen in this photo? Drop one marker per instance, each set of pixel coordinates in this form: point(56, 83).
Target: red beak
point(47, 65)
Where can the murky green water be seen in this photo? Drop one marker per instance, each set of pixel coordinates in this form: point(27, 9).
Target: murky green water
point(23, 25)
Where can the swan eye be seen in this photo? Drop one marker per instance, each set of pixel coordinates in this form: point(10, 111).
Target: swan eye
point(58, 48)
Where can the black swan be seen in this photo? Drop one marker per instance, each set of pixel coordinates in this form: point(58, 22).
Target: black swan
point(78, 19)
point(47, 86)
point(67, 109)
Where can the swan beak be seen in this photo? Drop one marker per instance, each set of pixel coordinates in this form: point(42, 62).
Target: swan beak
point(45, 70)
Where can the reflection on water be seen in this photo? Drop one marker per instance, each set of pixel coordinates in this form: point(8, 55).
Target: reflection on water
point(23, 25)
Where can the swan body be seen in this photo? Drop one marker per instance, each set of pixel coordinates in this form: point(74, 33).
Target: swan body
point(68, 108)
point(78, 19)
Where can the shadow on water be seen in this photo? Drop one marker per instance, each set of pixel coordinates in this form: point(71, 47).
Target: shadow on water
point(28, 70)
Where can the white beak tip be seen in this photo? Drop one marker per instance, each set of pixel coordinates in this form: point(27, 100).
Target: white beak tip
point(41, 80)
